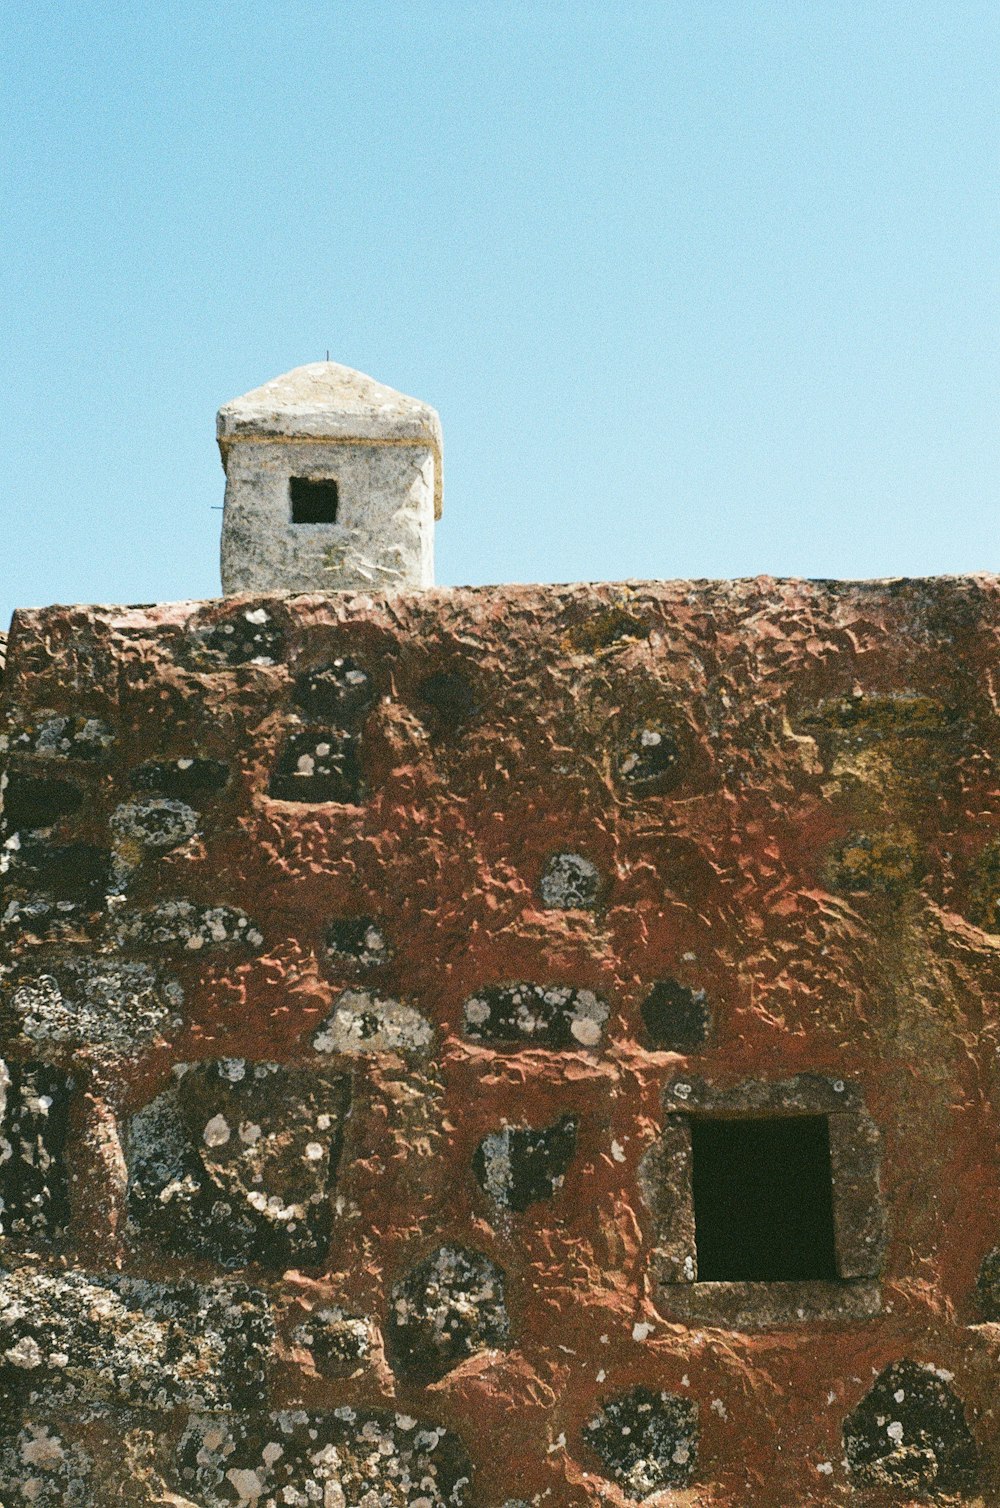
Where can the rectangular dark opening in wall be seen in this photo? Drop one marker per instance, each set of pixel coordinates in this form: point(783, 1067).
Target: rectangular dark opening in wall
point(314, 500)
point(763, 1199)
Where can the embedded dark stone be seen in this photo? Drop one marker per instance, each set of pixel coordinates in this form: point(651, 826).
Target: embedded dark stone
point(250, 637)
point(646, 1441)
point(989, 1285)
point(445, 1309)
point(61, 871)
point(236, 1162)
point(340, 693)
point(34, 1188)
point(34, 801)
point(518, 1166)
point(357, 940)
point(570, 882)
point(66, 736)
point(450, 697)
point(676, 1017)
point(338, 1342)
point(348, 1456)
point(535, 1015)
point(319, 766)
point(910, 1433)
point(187, 779)
point(85, 1338)
point(650, 762)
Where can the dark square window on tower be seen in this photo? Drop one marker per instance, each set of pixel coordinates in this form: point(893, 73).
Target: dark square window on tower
point(314, 500)
point(763, 1199)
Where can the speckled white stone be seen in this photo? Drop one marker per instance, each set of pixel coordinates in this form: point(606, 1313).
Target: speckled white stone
point(326, 421)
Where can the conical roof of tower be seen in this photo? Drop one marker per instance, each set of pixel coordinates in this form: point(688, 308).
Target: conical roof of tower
point(327, 401)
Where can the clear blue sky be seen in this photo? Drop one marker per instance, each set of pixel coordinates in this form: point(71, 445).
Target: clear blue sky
point(700, 288)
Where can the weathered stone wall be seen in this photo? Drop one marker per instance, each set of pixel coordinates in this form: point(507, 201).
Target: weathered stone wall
point(371, 968)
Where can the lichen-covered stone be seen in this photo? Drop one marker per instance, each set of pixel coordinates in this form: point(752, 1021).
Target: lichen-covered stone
point(236, 1162)
point(570, 882)
point(321, 765)
point(650, 762)
point(181, 925)
point(535, 1015)
point(99, 1004)
point(361, 1023)
point(71, 1337)
point(370, 1458)
point(646, 1441)
point(910, 1433)
point(519, 1165)
point(41, 1466)
point(676, 1018)
point(188, 778)
point(357, 941)
point(32, 801)
point(157, 823)
point(37, 919)
point(447, 1307)
point(34, 1181)
point(61, 736)
point(989, 1286)
point(340, 693)
point(248, 637)
point(338, 1342)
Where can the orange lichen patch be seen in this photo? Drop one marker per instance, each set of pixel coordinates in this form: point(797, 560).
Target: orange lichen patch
point(881, 862)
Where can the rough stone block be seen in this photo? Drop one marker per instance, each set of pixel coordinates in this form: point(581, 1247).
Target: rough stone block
point(236, 1162)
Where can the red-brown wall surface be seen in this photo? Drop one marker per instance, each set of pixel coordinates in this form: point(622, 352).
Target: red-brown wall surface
point(329, 835)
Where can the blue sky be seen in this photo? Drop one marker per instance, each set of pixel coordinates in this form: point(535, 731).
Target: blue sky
point(702, 288)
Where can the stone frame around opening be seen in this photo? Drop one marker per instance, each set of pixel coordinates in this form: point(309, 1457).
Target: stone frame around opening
point(858, 1213)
